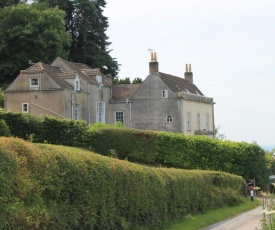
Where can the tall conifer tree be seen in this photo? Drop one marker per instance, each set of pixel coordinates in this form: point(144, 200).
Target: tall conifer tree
point(87, 26)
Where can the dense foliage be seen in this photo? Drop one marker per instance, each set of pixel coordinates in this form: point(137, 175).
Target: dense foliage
point(87, 26)
point(57, 187)
point(188, 152)
point(148, 147)
point(30, 32)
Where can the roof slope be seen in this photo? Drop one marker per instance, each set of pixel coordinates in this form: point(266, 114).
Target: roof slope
point(178, 84)
point(124, 91)
point(54, 72)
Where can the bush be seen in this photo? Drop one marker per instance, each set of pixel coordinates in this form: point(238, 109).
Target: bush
point(56, 187)
point(4, 129)
point(177, 150)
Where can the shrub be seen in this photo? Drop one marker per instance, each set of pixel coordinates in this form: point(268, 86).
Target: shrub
point(4, 129)
point(55, 187)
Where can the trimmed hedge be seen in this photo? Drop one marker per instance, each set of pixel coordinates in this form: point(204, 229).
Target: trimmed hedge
point(56, 187)
point(52, 130)
point(148, 147)
point(177, 150)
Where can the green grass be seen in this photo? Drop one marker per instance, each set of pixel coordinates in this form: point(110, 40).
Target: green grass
point(199, 221)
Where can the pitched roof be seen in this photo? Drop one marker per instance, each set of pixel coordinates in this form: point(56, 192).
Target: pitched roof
point(178, 84)
point(86, 72)
point(123, 91)
point(54, 72)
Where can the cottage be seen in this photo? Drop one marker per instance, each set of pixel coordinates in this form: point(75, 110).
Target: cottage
point(74, 90)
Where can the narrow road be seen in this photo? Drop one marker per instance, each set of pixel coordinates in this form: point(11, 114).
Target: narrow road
point(246, 221)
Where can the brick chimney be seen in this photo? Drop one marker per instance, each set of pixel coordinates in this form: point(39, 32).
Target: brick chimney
point(153, 64)
point(188, 75)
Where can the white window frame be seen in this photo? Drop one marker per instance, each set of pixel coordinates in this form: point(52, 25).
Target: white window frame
point(76, 84)
point(99, 79)
point(165, 93)
point(36, 79)
point(119, 114)
point(206, 122)
point(198, 121)
point(76, 112)
point(188, 121)
point(169, 119)
point(25, 107)
point(100, 112)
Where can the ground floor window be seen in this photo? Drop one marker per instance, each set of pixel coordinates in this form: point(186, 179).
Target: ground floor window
point(25, 107)
point(169, 119)
point(100, 112)
point(119, 116)
point(76, 112)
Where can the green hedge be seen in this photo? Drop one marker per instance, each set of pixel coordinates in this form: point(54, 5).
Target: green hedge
point(188, 152)
point(56, 187)
point(148, 147)
point(45, 129)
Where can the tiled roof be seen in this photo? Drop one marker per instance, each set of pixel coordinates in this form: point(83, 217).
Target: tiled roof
point(178, 84)
point(123, 91)
point(86, 72)
point(54, 72)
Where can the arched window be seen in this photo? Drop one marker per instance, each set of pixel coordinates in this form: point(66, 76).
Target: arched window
point(169, 119)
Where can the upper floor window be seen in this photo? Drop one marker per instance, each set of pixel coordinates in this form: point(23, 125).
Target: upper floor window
point(76, 83)
point(119, 116)
point(188, 121)
point(165, 93)
point(206, 121)
point(169, 119)
point(34, 83)
point(198, 121)
point(25, 107)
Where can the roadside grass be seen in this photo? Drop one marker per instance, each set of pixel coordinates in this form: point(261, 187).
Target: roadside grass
point(211, 217)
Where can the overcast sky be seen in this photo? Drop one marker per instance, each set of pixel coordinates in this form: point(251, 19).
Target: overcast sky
point(229, 43)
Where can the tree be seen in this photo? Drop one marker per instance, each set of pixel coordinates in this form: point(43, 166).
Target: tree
point(137, 80)
point(30, 32)
point(87, 26)
point(117, 81)
point(4, 3)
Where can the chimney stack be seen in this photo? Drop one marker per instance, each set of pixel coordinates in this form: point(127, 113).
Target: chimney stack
point(188, 75)
point(153, 64)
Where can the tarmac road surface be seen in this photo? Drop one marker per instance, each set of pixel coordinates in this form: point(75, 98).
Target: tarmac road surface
point(245, 221)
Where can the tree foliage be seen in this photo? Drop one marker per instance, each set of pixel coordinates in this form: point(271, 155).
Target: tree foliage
point(30, 32)
point(87, 26)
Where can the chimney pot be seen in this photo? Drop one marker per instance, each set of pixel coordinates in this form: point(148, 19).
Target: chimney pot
point(153, 65)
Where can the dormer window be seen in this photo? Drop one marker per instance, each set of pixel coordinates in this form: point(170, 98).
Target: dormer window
point(165, 93)
point(76, 84)
point(34, 83)
point(99, 79)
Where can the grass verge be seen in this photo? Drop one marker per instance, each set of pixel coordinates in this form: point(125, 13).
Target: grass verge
point(203, 220)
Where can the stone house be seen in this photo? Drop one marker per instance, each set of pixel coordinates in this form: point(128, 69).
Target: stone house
point(73, 90)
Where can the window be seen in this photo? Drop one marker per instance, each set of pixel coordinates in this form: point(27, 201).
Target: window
point(76, 83)
point(25, 107)
point(206, 121)
point(188, 121)
point(119, 116)
point(169, 119)
point(34, 82)
point(100, 112)
point(198, 121)
point(76, 112)
point(99, 79)
point(164, 93)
